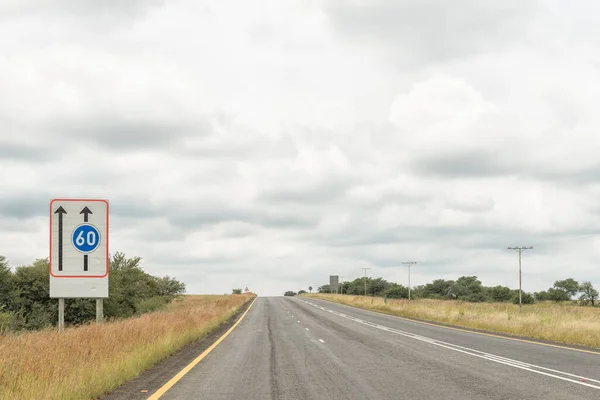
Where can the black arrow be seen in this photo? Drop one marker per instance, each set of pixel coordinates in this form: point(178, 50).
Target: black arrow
point(60, 211)
point(86, 211)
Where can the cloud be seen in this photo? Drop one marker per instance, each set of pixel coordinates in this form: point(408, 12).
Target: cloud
point(418, 31)
point(239, 147)
point(466, 164)
point(23, 207)
point(121, 135)
point(88, 10)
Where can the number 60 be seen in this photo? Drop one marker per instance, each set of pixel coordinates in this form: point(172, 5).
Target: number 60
point(80, 240)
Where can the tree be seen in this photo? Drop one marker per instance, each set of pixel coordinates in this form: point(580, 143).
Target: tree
point(526, 298)
point(236, 291)
point(588, 293)
point(289, 293)
point(499, 294)
point(6, 285)
point(169, 288)
point(324, 289)
point(34, 309)
point(376, 287)
point(418, 292)
point(396, 291)
point(570, 286)
point(467, 288)
point(542, 296)
point(557, 295)
point(437, 289)
point(310, 289)
point(301, 292)
point(25, 301)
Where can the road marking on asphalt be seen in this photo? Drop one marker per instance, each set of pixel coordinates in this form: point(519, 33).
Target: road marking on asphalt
point(163, 389)
point(565, 376)
point(321, 340)
point(556, 346)
point(298, 321)
point(307, 329)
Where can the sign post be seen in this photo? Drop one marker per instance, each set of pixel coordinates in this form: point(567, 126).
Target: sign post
point(79, 252)
point(61, 315)
point(99, 311)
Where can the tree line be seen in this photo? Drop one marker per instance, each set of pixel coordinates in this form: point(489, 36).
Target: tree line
point(469, 288)
point(25, 301)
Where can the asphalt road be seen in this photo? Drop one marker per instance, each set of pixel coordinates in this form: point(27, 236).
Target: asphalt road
point(294, 348)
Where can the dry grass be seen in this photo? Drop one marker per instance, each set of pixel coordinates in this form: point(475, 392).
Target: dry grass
point(88, 361)
point(554, 322)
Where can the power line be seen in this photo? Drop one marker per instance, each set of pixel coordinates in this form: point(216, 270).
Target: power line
point(409, 265)
point(520, 249)
point(366, 280)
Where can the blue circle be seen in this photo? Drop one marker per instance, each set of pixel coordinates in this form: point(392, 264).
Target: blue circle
point(86, 238)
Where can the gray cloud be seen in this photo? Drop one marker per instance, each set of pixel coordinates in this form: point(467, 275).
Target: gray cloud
point(27, 152)
point(582, 175)
point(310, 146)
point(427, 30)
point(480, 164)
point(204, 214)
point(469, 164)
point(86, 9)
point(24, 206)
point(119, 134)
point(296, 191)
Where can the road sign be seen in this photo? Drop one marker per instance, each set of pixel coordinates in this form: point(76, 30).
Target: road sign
point(78, 248)
point(333, 283)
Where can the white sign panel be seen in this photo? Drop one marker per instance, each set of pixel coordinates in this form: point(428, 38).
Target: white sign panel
point(78, 248)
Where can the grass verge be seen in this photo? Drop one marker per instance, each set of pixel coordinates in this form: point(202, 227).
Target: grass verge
point(573, 325)
point(87, 361)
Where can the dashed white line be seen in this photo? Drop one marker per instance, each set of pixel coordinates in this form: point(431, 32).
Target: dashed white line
point(307, 329)
point(580, 380)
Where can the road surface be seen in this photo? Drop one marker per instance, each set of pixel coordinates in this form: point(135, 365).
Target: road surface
point(298, 348)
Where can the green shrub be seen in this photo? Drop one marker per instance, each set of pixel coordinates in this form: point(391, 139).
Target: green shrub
point(149, 305)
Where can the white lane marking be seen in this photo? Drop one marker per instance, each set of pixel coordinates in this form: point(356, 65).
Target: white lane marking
point(298, 321)
point(581, 380)
point(307, 329)
point(321, 340)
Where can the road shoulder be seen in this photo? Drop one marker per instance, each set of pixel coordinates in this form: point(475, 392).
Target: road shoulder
point(156, 376)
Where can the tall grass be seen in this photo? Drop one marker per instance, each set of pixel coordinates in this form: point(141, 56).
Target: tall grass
point(547, 321)
point(87, 361)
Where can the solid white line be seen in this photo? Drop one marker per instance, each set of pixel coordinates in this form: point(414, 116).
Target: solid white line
point(476, 353)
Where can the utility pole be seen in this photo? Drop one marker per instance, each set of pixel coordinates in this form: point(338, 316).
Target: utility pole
point(520, 249)
point(409, 263)
point(366, 280)
point(340, 284)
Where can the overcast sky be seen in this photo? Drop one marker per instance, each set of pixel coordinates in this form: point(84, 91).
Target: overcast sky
point(269, 144)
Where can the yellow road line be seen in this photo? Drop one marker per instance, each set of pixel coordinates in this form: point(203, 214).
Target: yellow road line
point(160, 392)
point(467, 330)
